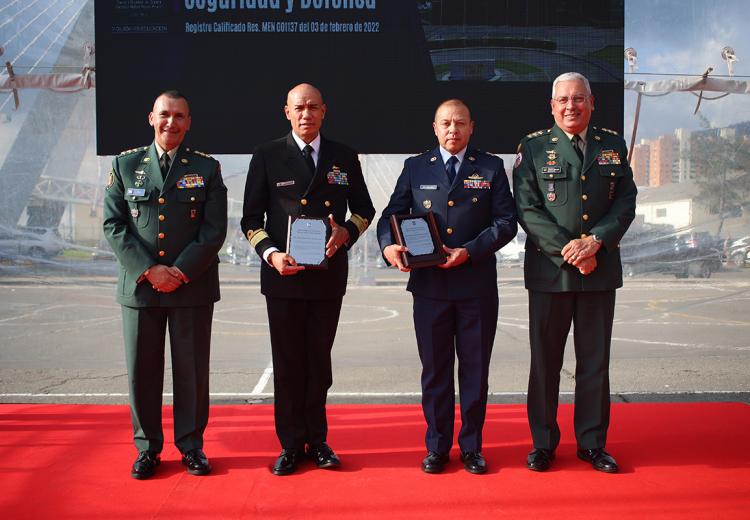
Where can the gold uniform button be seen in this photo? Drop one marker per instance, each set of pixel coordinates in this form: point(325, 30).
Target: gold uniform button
point(583, 177)
point(585, 217)
point(161, 235)
point(327, 204)
point(303, 202)
point(192, 199)
point(162, 253)
point(474, 199)
point(451, 203)
point(613, 174)
point(161, 200)
point(585, 197)
point(449, 230)
point(551, 176)
point(162, 218)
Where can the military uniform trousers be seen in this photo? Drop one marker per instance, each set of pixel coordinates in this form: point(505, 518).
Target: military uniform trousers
point(302, 335)
point(189, 338)
point(447, 329)
point(550, 316)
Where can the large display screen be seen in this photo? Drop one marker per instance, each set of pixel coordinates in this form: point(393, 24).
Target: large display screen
point(382, 65)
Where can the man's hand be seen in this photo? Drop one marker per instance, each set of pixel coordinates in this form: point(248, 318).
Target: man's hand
point(339, 237)
point(579, 249)
point(179, 274)
point(587, 265)
point(284, 264)
point(162, 278)
point(392, 253)
point(456, 257)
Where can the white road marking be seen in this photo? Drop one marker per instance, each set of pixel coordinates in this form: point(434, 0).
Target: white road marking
point(263, 381)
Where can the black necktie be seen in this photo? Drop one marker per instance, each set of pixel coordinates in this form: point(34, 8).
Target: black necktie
point(307, 153)
point(164, 165)
point(451, 169)
point(578, 146)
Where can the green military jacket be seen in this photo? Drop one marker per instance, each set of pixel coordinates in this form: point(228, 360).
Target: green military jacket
point(558, 200)
point(180, 221)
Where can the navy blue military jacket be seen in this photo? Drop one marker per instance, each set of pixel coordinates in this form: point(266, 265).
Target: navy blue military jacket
point(559, 199)
point(279, 185)
point(476, 211)
point(180, 221)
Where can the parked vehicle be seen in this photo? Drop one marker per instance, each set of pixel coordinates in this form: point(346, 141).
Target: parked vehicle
point(36, 242)
point(662, 249)
point(513, 252)
point(738, 252)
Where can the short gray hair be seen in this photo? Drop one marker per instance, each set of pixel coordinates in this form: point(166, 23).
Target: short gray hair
point(571, 76)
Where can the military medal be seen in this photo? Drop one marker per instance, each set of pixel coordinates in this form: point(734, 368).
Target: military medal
point(551, 196)
point(193, 214)
point(551, 155)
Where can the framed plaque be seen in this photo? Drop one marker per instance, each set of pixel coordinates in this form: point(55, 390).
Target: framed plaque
point(419, 233)
point(306, 241)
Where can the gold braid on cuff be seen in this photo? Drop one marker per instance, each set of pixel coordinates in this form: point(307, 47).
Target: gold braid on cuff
point(361, 222)
point(255, 236)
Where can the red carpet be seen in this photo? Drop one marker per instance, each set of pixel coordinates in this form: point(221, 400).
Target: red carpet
point(677, 461)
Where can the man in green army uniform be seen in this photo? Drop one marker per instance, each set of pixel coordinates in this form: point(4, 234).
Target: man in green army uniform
point(575, 198)
point(165, 216)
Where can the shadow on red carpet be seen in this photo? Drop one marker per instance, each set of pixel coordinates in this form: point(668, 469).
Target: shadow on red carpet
point(676, 460)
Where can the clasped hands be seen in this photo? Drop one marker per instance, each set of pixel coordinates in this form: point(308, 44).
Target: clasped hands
point(456, 256)
point(286, 265)
point(165, 278)
point(581, 253)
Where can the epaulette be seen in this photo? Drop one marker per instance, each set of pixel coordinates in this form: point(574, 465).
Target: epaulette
point(133, 150)
point(538, 133)
point(609, 131)
point(196, 152)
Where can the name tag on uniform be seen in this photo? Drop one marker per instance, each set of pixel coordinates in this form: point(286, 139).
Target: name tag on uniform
point(284, 183)
point(428, 186)
point(551, 169)
point(136, 192)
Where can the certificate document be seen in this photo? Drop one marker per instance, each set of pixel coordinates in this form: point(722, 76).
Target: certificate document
point(306, 241)
point(417, 236)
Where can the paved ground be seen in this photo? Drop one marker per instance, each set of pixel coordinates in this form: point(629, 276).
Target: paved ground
point(61, 341)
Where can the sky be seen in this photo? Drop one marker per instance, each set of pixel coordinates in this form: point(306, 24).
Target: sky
point(685, 37)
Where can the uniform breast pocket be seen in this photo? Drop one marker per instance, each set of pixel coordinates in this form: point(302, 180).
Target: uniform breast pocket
point(553, 183)
point(610, 175)
point(424, 197)
point(191, 202)
point(140, 209)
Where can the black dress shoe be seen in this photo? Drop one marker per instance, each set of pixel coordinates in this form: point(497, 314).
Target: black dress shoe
point(599, 459)
point(196, 462)
point(540, 459)
point(323, 456)
point(287, 462)
point(474, 462)
point(145, 465)
point(434, 462)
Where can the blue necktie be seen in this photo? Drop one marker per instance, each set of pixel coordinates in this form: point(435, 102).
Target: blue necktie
point(451, 169)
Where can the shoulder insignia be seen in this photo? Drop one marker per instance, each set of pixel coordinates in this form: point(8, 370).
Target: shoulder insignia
point(196, 152)
point(537, 133)
point(609, 131)
point(133, 150)
point(111, 180)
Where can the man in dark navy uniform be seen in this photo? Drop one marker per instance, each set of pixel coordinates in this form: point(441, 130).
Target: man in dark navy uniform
point(455, 303)
point(165, 216)
point(303, 174)
point(575, 196)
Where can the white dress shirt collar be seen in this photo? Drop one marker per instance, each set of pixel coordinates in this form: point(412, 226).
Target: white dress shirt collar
point(315, 143)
